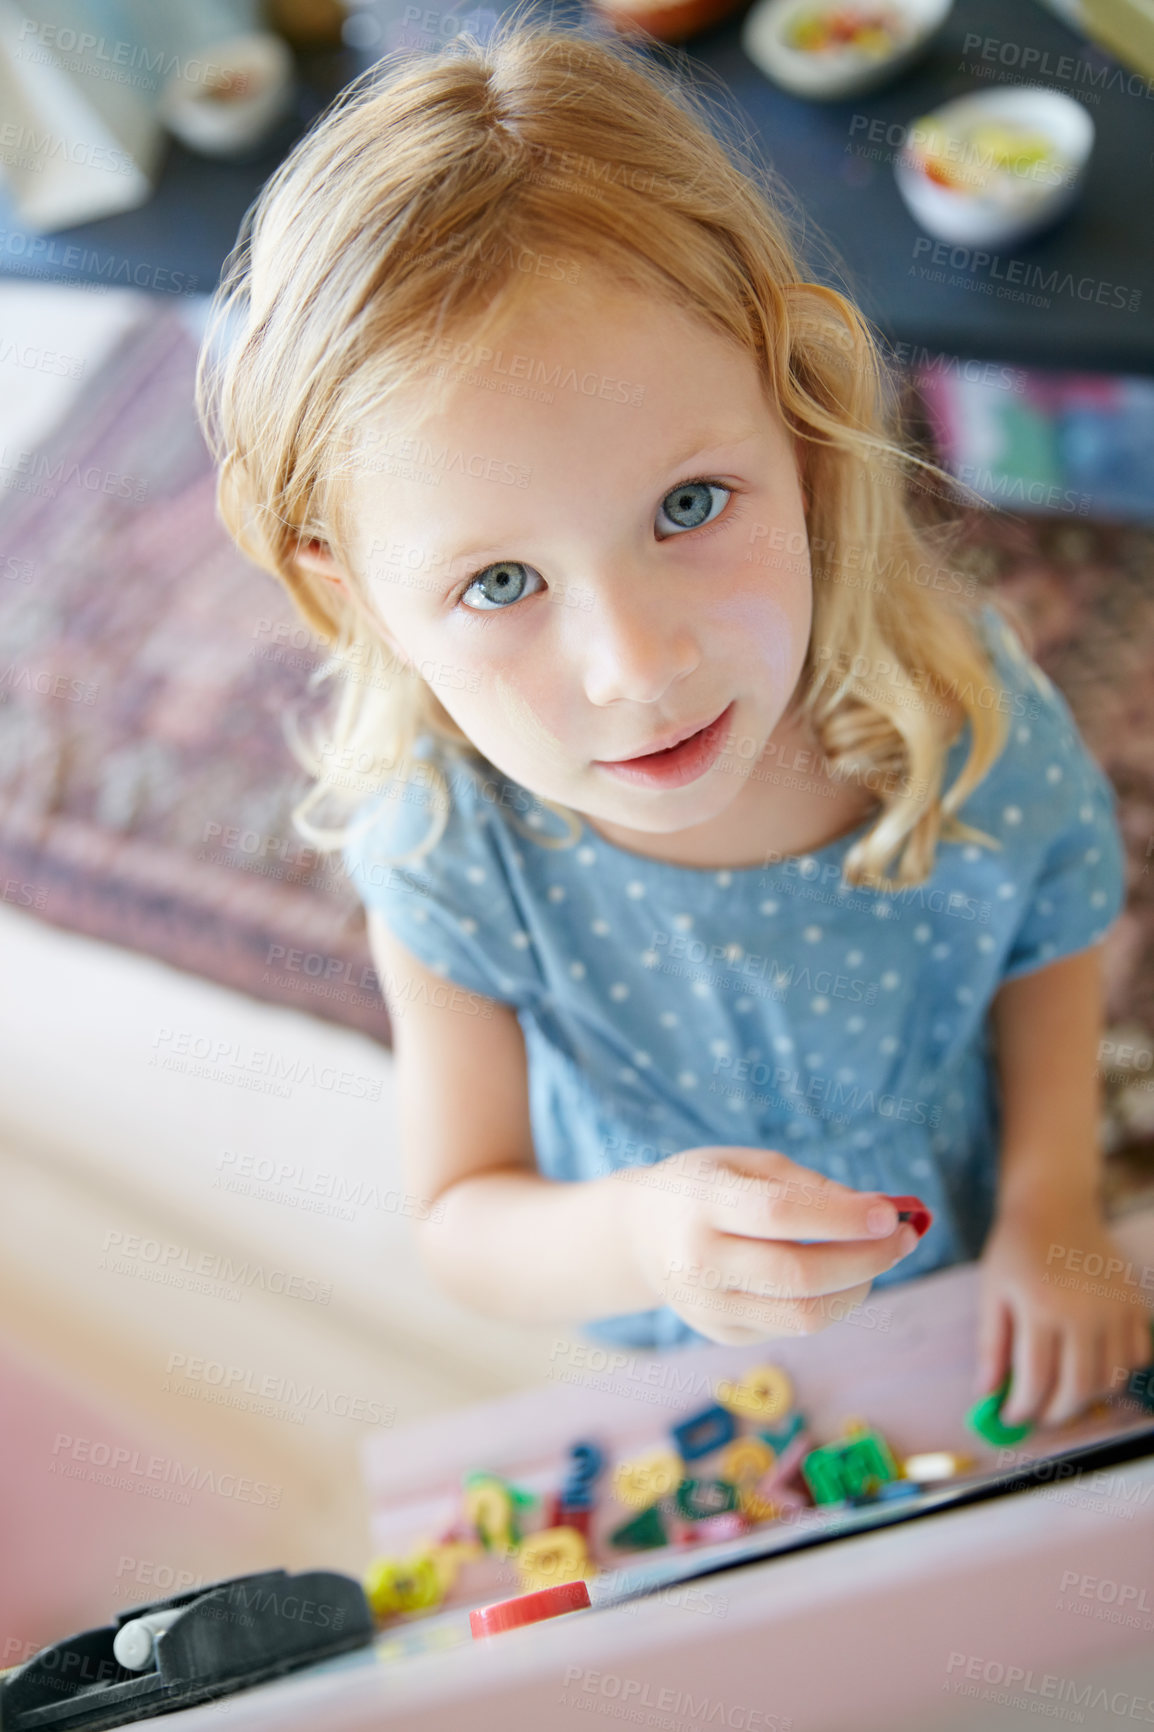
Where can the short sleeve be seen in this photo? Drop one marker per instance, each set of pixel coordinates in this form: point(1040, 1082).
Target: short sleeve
point(1067, 810)
point(453, 906)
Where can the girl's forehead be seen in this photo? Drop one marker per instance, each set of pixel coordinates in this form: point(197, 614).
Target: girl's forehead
point(592, 306)
point(636, 330)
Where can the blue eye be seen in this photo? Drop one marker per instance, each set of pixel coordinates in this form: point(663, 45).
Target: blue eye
point(505, 581)
point(691, 507)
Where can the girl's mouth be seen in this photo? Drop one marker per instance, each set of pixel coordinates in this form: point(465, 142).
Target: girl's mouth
point(678, 766)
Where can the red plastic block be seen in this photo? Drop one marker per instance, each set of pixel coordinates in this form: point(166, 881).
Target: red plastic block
point(913, 1210)
point(529, 1608)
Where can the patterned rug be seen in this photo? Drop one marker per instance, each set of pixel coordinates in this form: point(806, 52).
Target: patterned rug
point(145, 666)
point(145, 782)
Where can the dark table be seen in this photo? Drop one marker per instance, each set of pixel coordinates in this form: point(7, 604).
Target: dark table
point(177, 242)
point(1087, 286)
point(838, 162)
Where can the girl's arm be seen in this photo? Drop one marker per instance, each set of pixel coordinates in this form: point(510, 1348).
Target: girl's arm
point(1065, 1334)
point(491, 1231)
point(1047, 1026)
point(515, 1245)
point(720, 1234)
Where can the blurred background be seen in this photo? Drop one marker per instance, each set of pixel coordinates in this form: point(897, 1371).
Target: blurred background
point(208, 1298)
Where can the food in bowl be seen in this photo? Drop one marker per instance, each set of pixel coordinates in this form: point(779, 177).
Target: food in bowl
point(828, 52)
point(995, 166)
point(875, 31)
point(994, 157)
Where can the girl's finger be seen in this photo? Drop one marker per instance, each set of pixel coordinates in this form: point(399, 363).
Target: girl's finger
point(747, 1313)
point(795, 1204)
point(1128, 1350)
point(1081, 1369)
point(785, 1270)
point(1140, 1341)
point(1123, 1343)
point(994, 1336)
point(1035, 1366)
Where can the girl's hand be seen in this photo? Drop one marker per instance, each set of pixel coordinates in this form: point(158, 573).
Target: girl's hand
point(1066, 1336)
point(718, 1234)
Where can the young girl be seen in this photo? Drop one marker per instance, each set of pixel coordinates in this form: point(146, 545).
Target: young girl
point(516, 382)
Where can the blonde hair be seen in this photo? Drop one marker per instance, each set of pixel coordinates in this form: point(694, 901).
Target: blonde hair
point(404, 216)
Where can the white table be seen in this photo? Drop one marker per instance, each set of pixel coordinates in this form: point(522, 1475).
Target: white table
point(928, 1623)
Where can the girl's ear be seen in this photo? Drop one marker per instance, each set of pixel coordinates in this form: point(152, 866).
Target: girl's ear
point(315, 557)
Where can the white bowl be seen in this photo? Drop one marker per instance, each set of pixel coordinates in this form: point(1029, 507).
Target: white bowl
point(231, 95)
point(1013, 204)
point(833, 73)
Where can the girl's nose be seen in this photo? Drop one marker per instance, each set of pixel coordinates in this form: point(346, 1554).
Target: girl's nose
point(634, 641)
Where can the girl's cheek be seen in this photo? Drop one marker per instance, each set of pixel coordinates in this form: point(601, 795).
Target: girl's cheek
point(771, 634)
point(518, 713)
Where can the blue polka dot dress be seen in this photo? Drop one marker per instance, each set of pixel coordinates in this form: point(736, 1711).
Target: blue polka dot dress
point(667, 1007)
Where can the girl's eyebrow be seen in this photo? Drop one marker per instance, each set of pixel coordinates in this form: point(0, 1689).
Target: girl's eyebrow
point(450, 562)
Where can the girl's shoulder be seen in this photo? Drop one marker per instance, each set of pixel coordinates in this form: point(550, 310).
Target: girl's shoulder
point(1058, 870)
point(1040, 724)
point(1022, 689)
point(425, 854)
point(1045, 772)
point(433, 821)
